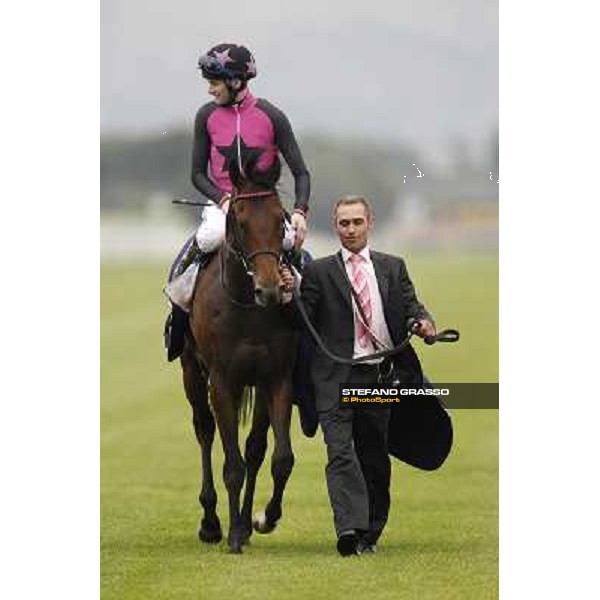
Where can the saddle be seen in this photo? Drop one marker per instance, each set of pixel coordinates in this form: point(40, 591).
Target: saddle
point(180, 290)
point(183, 274)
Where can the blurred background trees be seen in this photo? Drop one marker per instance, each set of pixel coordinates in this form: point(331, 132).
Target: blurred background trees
point(413, 197)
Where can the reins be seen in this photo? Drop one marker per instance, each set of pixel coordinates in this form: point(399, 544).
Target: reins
point(447, 335)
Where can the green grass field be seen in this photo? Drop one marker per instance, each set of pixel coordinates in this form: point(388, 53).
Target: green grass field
point(442, 536)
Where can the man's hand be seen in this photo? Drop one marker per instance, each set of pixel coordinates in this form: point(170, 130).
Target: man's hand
point(299, 225)
point(287, 284)
point(426, 328)
point(287, 279)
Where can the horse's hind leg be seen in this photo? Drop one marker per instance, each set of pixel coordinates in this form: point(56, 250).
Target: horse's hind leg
point(256, 447)
point(196, 390)
point(282, 463)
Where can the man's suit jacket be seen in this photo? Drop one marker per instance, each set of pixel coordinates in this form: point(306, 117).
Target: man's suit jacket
point(326, 295)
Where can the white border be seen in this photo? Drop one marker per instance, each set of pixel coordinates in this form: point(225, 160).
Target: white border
point(50, 318)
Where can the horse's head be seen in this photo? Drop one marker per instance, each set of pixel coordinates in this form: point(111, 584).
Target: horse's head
point(255, 227)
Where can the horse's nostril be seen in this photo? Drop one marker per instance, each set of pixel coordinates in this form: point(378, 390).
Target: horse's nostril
point(258, 292)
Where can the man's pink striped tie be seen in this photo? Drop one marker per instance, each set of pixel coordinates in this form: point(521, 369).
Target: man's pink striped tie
point(359, 281)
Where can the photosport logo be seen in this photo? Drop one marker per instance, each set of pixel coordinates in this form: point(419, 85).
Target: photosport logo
point(451, 395)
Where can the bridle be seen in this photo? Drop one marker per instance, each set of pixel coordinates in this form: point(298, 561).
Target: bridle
point(236, 246)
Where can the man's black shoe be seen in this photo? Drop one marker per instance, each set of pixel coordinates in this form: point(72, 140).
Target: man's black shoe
point(347, 543)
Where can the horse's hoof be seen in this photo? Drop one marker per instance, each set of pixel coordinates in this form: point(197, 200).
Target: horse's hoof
point(235, 545)
point(261, 525)
point(246, 537)
point(210, 535)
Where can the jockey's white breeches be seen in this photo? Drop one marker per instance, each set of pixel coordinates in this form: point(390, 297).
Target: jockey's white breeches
point(211, 230)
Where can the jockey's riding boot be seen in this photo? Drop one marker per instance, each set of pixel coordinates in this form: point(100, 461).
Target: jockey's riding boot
point(193, 255)
point(182, 279)
point(187, 259)
point(181, 287)
point(177, 319)
point(203, 258)
point(174, 334)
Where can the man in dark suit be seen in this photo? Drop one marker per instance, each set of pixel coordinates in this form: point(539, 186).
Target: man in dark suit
point(358, 467)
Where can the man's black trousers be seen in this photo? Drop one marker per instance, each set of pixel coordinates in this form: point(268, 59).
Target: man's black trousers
point(358, 468)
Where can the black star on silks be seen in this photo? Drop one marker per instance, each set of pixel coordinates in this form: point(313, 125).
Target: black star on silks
point(231, 153)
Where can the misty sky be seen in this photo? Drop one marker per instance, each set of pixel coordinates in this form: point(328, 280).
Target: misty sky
point(421, 71)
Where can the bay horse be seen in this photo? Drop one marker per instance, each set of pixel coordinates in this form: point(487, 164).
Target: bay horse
point(239, 337)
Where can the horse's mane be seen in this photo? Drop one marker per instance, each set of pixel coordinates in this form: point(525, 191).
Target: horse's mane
point(266, 179)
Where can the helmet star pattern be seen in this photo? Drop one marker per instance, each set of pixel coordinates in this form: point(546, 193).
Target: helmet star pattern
point(228, 61)
point(222, 57)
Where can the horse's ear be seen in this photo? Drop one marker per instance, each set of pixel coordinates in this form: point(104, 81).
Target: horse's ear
point(267, 178)
point(234, 175)
point(273, 173)
point(249, 164)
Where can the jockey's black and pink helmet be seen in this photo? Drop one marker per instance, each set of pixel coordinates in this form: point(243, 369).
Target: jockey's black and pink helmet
point(228, 61)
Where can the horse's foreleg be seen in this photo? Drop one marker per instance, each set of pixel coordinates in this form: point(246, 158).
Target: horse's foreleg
point(204, 426)
point(282, 462)
point(225, 402)
point(256, 447)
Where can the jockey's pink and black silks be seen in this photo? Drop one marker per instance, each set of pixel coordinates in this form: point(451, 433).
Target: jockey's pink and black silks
point(234, 133)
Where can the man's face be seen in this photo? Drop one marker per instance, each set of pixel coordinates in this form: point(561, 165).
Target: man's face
point(353, 224)
point(218, 90)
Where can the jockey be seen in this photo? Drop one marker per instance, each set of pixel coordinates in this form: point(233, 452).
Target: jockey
point(235, 126)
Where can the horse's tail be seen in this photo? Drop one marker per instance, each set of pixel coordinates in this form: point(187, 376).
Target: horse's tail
point(247, 405)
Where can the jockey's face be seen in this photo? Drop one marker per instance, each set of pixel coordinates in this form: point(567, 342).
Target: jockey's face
point(353, 223)
point(218, 90)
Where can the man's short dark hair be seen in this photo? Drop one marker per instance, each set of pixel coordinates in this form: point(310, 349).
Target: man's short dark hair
point(352, 199)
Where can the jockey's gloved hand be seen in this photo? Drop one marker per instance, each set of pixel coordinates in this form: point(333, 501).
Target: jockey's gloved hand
point(289, 236)
point(224, 202)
